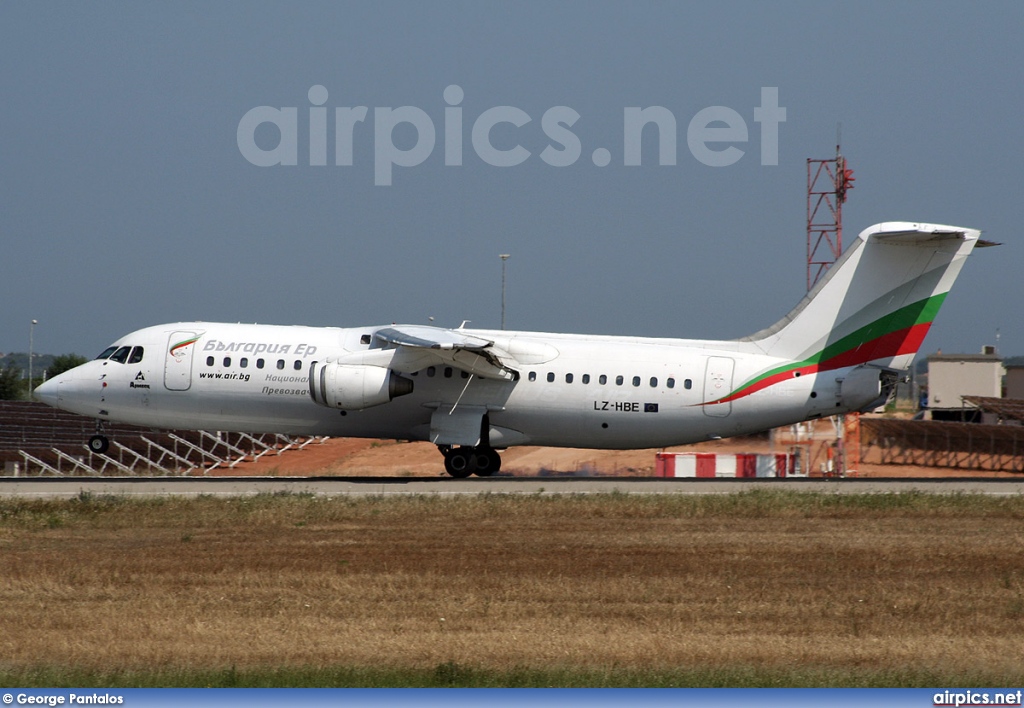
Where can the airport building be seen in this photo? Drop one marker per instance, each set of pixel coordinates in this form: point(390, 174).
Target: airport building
point(971, 417)
point(1014, 380)
point(953, 376)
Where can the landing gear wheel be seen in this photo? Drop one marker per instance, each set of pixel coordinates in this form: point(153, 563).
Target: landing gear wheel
point(487, 462)
point(99, 444)
point(459, 463)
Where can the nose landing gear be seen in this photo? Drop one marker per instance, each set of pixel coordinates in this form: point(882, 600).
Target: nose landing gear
point(461, 462)
point(99, 444)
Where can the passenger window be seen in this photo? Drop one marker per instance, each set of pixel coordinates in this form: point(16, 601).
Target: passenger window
point(465, 374)
point(586, 378)
point(568, 378)
point(259, 363)
point(671, 383)
point(687, 384)
point(636, 380)
point(447, 372)
point(431, 371)
point(297, 365)
point(551, 376)
point(654, 382)
point(243, 362)
point(209, 361)
point(121, 355)
point(280, 363)
point(532, 376)
point(107, 352)
point(227, 362)
point(602, 379)
point(136, 355)
point(619, 380)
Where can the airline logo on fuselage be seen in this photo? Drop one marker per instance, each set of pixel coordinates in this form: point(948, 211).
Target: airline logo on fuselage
point(178, 349)
point(257, 348)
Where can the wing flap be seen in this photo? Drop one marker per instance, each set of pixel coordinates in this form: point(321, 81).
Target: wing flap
point(463, 351)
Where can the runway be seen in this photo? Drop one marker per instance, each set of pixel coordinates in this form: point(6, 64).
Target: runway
point(67, 487)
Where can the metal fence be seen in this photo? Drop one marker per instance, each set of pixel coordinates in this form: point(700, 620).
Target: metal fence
point(36, 439)
point(966, 446)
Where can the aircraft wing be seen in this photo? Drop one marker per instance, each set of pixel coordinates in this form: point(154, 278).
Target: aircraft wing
point(425, 337)
point(450, 346)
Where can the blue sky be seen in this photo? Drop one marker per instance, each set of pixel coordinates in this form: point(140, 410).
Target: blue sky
point(128, 202)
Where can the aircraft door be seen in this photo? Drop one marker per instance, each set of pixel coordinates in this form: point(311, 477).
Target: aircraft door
point(178, 363)
point(718, 384)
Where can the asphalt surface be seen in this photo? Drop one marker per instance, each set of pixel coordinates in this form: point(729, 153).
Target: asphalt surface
point(67, 487)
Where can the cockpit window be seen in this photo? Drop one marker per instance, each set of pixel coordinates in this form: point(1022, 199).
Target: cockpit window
point(107, 352)
point(121, 355)
point(136, 356)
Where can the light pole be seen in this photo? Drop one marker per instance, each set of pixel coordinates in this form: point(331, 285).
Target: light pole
point(31, 336)
point(504, 257)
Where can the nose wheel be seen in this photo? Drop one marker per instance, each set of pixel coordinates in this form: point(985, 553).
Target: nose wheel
point(99, 444)
point(461, 462)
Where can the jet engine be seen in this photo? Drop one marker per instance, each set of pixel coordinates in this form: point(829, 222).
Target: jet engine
point(355, 386)
point(864, 388)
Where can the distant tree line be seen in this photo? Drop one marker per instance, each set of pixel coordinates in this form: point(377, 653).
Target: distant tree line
point(14, 383)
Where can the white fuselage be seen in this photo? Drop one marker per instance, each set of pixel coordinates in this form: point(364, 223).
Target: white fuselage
point(472, 393)
point(571, 390)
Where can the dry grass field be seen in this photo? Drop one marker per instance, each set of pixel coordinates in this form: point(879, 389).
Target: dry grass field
point(764, 588)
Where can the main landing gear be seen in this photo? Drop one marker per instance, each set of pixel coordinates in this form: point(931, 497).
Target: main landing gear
point(461, 462)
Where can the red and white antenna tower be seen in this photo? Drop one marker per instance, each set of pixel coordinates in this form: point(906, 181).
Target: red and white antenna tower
point(827, 184)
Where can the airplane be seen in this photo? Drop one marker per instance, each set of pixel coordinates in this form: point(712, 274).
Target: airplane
point(473, 393)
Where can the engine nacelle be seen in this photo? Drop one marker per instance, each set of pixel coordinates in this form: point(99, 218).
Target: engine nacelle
point(866, 388)
point(353, 387)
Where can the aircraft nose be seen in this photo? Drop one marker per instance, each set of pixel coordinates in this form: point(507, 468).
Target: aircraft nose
point(48, 392)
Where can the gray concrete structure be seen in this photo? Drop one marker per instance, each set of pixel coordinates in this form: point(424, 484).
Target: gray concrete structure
point(952, 376)
point(64, 488)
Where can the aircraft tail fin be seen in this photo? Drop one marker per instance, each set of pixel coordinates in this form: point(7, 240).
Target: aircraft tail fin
point(877, 302)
